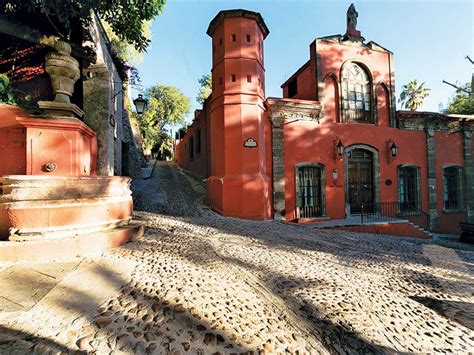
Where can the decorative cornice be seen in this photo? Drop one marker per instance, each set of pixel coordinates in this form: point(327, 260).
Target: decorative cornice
point(238, 13)
point(354, 42)
point(435, 121)
point(291, 110)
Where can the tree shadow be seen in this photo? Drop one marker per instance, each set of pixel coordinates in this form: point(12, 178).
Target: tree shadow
point(394, 257)
point(14, 341)
point(136, 321)
point(277, 290)
point(459, 312)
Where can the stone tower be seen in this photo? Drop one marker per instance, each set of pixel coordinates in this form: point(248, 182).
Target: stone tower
point(239, 184)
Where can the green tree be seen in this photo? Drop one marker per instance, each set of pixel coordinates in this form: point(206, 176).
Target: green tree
point(461, 103)
point(164, 147)
point(125, 17)
point(124, 50)
point(413, 95)
point(167, 105)
point(206, 88)
point(6, 91)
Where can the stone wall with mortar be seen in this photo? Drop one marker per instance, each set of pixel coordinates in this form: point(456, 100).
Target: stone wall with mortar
point(106, 112)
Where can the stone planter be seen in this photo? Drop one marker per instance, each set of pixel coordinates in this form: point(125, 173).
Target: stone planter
point(63, 70)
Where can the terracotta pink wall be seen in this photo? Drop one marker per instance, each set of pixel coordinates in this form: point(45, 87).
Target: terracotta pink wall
point(199, 164)
point(449, 151)
point(13, 146)
point(397, 229)
point(31, 143)
point(304, 80)
point(240, 177)
point(333, 56)
point(313, 142)
point(310, 142)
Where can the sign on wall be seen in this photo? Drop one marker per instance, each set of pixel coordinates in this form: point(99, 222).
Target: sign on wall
point(250, 143)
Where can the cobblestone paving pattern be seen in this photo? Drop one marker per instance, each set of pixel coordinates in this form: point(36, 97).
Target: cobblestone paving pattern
point(204, 284)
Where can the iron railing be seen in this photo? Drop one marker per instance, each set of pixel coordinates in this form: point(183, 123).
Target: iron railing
point(355, 115)
point(390, 211)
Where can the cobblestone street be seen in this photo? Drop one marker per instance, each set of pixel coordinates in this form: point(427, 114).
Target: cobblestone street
point(200, 283)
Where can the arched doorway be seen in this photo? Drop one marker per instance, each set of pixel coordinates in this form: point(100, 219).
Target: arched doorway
point(362, 178)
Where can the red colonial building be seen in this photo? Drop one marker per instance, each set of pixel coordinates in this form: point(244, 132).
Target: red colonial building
point(334, 146)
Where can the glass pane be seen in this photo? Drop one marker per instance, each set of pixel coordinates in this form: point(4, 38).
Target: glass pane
point(367, 106)
point(351, 105)
point(359, 96)
point(359, 105)
point(367, 97)
point(352, 96)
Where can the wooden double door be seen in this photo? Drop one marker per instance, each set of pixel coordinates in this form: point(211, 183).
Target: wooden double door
point(361, 180)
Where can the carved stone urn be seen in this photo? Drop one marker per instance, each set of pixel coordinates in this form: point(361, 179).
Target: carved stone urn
point(63, 70)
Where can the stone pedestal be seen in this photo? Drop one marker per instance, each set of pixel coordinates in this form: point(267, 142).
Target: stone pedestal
point(60, 109)
point(43, 207)
point(45, 146)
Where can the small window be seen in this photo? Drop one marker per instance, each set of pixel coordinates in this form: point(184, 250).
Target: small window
point(233, 78)
point(452, 188)
point(220, 41)
point(198, 143)
point(234, 37)
point(249, 78)
point(191, 148)
point(293, 88)
point(248, 38)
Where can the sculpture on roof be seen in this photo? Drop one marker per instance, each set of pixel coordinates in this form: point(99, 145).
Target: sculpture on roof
point(352, 15)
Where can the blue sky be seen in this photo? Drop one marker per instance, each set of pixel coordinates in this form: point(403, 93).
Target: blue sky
point(429, 39)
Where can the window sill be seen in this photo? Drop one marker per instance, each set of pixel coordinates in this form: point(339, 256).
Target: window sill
point(408, 214)
point(313, 219)
point(359, 122)
point(453, 211)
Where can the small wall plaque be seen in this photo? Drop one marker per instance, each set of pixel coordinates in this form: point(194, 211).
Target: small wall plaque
point(250, 143)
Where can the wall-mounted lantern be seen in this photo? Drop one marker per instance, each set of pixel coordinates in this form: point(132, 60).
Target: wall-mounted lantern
point(140, 104)
point(338, 149)
point(392, 150)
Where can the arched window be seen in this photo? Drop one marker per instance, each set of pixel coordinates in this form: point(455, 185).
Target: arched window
point(356, 94)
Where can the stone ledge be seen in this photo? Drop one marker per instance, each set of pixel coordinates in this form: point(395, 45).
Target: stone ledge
point(60, 109)
point(293, 109)
point(21, 188)
point(54, 249)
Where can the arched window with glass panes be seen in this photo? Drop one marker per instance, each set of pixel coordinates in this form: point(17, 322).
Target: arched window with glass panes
point(356, 94)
